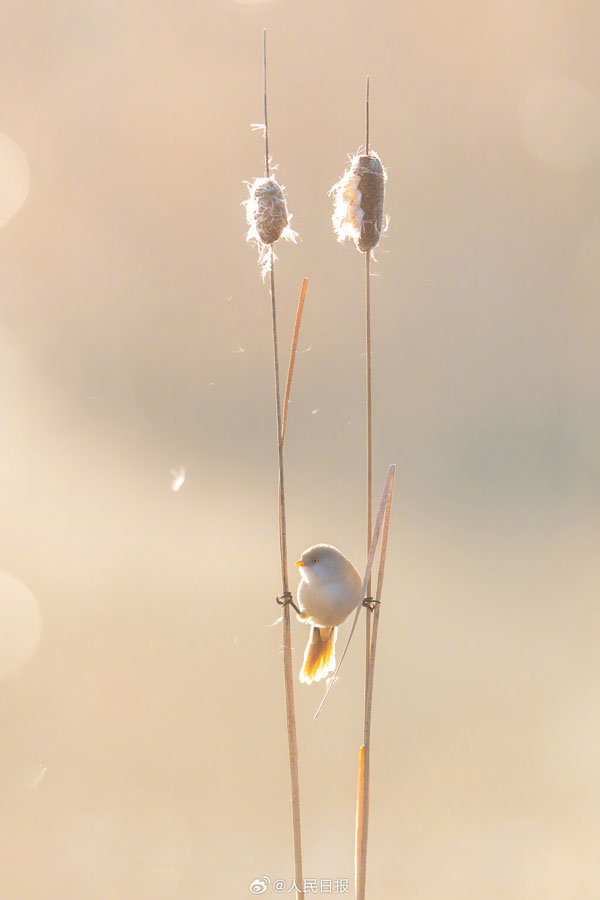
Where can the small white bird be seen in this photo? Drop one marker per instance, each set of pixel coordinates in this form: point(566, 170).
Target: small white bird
point(329, 590)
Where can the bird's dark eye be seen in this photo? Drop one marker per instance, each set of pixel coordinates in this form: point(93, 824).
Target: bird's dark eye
point(315, 560)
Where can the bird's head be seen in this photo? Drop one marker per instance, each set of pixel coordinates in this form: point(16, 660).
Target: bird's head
point(322, 563)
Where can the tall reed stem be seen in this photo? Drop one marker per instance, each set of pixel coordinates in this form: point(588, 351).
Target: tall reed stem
point(368, 389)
point(286, 629)
point(287, 632)
point(362, 814)
point(362, 803)
point(369, 440)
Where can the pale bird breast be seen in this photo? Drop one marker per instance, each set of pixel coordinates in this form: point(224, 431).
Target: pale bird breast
point(328, 603)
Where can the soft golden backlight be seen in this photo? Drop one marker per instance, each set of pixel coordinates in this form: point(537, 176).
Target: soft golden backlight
point(143, 752)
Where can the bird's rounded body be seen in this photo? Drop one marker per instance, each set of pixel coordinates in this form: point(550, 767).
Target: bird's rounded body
point(329, 590)
point(329, 603)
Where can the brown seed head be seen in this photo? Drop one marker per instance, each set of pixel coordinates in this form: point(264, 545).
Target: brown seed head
point(358, 202)
point(270, 210)
point(372, 187)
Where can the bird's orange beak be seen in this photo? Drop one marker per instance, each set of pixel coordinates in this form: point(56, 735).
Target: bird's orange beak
point(300, 563)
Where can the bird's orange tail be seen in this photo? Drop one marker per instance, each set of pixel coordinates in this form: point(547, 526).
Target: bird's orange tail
point(319, 656)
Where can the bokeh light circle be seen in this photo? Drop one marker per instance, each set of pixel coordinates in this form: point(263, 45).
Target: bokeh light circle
point(20, 626)
point(14, 178)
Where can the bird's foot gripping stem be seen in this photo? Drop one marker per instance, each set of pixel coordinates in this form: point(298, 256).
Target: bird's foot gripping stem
point(286, 599)
point(370, 603)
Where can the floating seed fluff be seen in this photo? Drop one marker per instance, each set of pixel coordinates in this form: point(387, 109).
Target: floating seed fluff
point(358, 202)
point(268, 218)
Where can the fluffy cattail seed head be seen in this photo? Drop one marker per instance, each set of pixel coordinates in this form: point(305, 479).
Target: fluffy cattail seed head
point(268, 218)
point(358, 202)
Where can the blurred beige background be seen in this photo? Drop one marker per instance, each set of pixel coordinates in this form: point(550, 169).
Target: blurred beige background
point(143, 753)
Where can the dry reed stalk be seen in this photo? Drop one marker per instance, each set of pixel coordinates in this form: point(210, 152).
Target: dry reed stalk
point(285, 618)
point(368, 397)
point(287, 634)
point(290, 375)
point(360, 784)
point(358, 214)
point(268, 217)
point(369, 439)
point(362, 800)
